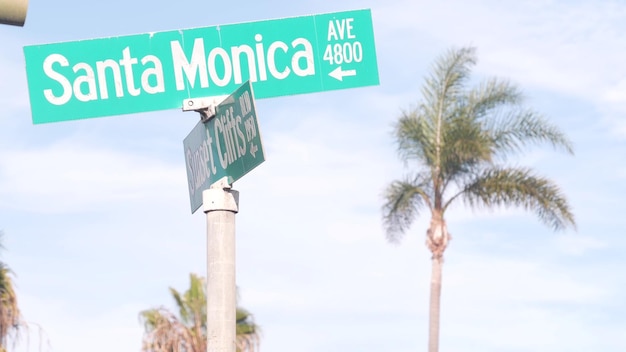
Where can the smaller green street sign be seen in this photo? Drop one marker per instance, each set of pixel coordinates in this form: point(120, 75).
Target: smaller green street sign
point(157, 71)
point(229, 144)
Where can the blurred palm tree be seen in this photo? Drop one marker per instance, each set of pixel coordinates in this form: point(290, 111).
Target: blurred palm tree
point(10, 318)
point(186, 331)
point(459, 139)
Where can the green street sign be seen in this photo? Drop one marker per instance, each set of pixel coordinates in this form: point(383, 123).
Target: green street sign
point(229, 144)
point(156, 71)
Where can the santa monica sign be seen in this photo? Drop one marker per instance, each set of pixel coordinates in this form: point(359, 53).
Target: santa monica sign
point(157, 71)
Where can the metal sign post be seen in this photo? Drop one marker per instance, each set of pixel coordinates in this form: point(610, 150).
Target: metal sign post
point(221, 203)
point(156, 71)
point(224, 146)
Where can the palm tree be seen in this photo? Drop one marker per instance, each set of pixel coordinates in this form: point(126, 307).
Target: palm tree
point(460, 138)
point(186, 332)
point(10, 317)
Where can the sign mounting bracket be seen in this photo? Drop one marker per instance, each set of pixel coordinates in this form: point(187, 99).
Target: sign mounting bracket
point(205, 106)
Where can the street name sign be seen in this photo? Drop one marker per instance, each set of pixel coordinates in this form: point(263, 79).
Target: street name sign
point(157, 71)
point(228, 145)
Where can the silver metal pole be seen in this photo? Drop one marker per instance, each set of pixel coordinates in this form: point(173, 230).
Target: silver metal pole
point(221, 203)
point(13, 12)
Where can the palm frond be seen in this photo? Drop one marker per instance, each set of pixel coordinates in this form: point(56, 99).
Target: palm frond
point(468, 139)
point(418, 131)
point(150, 318)
point(247, 343)
point(165, 332)
point(245, 324)
point(415, 138)
point(11, 322)
point(523, 127)
point(180, 304)
point(450, 73)
point(195, 298)
point(496, 187)
point(403, 201)
point(10, 316)
point(460, 136)
point(490, 96)
point(248, 331)
point(466, 144)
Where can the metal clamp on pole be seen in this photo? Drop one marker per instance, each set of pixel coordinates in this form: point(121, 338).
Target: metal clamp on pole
point(205, 106)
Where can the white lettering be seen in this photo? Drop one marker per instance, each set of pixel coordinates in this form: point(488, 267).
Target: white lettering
point(228, 71)
point(341, 25)
point(197, 63)
point(88, 78)
point(117, 78)
point(260, 54)
point(332, 32)
point(65, 84)
point(307, 55)
point(210, 143)
point(349, 28)
point(90, 81)
point(271, 60)
point(340, 29)
point(156, 71)
point(190, 171)
point(236, 54)
point(241, 148)
point(127, 62)
point(132, 75)
point(250, 128)
point(222, 156)
point(228, 137)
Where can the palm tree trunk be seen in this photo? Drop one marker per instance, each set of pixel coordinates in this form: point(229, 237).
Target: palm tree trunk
point(435, 301)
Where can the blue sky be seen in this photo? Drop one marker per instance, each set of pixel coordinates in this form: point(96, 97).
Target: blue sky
point(96, 218)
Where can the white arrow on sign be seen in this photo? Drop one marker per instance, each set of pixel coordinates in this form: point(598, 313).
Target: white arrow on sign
point(253, 149)
point(339, 74)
